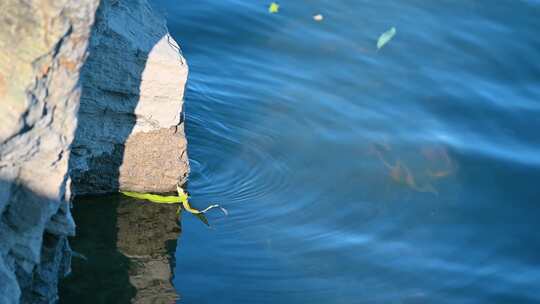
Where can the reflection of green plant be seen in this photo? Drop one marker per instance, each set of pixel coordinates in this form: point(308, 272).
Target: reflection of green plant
point(181, 198)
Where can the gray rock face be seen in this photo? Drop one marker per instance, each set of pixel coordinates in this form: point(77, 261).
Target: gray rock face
point(130, 134)
point(42, 48)
point(112, 121)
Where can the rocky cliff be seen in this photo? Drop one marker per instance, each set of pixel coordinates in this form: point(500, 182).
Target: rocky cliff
point(97, 103)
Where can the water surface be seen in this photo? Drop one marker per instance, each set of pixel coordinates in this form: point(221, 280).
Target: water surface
point(405, 175)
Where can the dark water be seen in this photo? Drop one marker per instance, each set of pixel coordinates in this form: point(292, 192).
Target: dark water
point(124, 252)
point(407, 175)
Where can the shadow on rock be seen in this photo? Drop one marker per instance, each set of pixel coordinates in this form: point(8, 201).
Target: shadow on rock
point(130, 131)
point(34, 251)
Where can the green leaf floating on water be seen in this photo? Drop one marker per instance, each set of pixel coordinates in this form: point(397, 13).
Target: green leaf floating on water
point(181, 198)
point(273, 8)
point(386, 37)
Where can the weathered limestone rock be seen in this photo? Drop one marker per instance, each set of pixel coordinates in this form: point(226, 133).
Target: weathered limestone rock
point(111, 122)
point(42, 48)
point(131, 132)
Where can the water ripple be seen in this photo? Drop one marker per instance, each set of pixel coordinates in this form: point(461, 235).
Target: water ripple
point(321, 148)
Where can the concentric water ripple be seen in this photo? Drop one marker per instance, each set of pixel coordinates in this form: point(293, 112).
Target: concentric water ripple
point(404, 175)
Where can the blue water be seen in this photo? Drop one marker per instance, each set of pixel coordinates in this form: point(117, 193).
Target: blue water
point(405, 175)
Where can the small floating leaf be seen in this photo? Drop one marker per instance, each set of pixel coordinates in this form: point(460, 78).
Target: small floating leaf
point(318, 17)
point(273, 8)
point(386, 37)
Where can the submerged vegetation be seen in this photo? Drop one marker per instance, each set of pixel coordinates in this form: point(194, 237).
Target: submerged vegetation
point(435, 162)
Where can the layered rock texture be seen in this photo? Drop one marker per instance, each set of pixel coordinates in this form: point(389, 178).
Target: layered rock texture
point(97, 103)
point(42, 49)
point(130, 125)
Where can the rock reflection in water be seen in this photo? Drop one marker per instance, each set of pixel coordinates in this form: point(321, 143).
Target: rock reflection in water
point(129, 248)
